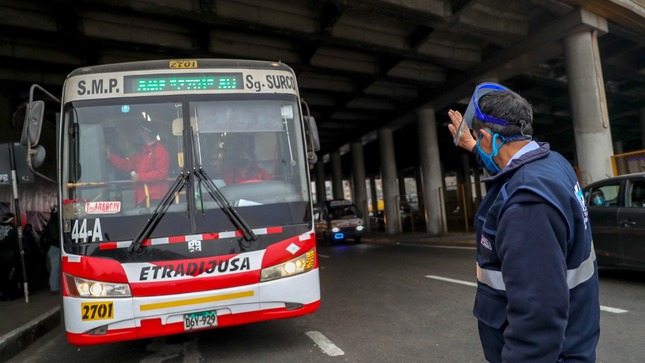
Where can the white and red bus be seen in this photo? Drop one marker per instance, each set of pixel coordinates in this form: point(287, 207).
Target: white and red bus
point(207, 253)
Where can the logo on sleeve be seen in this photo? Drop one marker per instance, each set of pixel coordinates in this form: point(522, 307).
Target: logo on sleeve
point(486, 243)
point(581, 199)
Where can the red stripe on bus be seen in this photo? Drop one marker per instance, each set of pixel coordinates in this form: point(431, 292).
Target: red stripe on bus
point(107, 246)
point(210, 236)
point(272, 230)
point(177, 239)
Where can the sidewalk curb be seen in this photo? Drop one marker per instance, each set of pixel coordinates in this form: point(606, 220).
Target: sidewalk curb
point(20, 338)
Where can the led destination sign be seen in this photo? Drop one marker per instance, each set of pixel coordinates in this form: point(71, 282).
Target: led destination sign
point(183, 82)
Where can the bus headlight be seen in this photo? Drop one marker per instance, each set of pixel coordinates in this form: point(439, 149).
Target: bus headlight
point(77, 286)
point(292, 267)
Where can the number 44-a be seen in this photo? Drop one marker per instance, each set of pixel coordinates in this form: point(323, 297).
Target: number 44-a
point(80, 233)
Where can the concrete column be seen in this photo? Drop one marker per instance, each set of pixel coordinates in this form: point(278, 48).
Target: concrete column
point(336, 175)
point(373, 194)
point(418, 179)
point(430, 170)
point(358, 179)
point(388, 179)
point(374, 197)
point(588, 106)
point(401, 180)
point(321, 191)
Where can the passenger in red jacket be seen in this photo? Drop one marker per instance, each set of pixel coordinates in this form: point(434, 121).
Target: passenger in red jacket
point(148, 168)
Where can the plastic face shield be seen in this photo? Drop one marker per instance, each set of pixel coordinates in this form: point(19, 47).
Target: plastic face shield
point(473, 109)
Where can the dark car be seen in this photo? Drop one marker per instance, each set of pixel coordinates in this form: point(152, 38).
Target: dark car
point(617, 214)
point(338, 220)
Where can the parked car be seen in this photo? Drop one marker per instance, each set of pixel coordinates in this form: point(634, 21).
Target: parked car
point(338, 220)
point(617, 214)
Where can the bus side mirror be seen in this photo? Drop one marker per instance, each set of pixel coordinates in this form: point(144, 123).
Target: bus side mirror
point(33, 123)
point(313, 141)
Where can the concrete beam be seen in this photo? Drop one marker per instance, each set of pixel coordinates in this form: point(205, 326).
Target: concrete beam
point(627, 13)
point(29, 17)
point(540, 45)
point(144, 30)
point(296, 16)
point(36, 51)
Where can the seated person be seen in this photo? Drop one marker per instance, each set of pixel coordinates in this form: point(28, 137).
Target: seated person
point(597, 198)
point(245, 169)
point(148, 168)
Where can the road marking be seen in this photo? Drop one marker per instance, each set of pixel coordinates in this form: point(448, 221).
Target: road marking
point(323, 256)
point(612, 310)
point(325, 344)
point(468, 283)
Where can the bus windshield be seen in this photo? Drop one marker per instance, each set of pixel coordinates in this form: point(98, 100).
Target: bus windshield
point(343, 212)
point(123, 155)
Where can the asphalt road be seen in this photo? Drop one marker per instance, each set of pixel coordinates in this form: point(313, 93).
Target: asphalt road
point(380, 303)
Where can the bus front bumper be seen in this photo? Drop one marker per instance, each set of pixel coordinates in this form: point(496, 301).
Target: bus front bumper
point(151, 316)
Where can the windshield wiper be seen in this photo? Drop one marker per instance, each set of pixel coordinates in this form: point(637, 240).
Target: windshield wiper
point(159, 212)
point(230, 212)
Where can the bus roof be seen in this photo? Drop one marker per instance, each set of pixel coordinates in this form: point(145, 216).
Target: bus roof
point(179, 76)
point(180, 64)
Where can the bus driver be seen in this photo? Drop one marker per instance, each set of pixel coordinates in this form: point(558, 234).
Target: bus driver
point(245, 169)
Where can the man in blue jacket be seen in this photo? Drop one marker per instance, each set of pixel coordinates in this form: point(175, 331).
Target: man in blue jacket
point(537, 291)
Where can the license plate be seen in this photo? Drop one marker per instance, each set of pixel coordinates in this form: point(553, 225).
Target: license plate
point(97, 310)
point(204, 319)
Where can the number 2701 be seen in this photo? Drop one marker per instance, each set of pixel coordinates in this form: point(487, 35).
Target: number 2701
point(97, 311)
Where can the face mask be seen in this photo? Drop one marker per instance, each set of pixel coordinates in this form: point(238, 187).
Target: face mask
point(487, 159)
point(598, 200)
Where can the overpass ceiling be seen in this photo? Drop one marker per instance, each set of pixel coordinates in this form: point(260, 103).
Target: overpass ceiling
point(361, 64)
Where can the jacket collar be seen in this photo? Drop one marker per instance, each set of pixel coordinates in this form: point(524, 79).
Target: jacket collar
point(515, 164)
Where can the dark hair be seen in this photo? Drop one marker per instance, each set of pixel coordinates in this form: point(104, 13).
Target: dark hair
point(509, 106)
